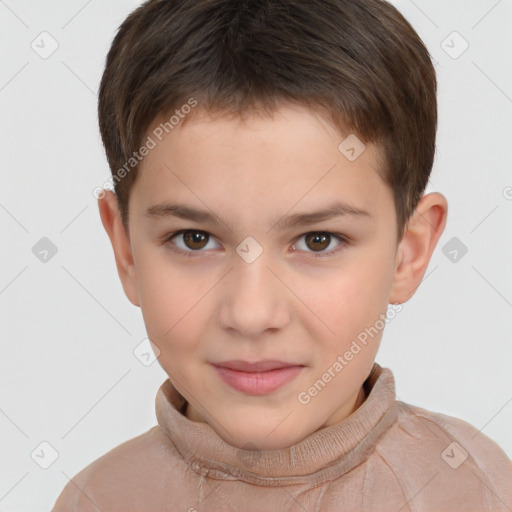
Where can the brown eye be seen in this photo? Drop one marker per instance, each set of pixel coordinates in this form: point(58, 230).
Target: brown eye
point(195, 239)
point(321, 243)
point(318, 241)
point(190, 242)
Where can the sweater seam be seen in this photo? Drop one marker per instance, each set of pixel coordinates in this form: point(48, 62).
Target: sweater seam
point(482, 475)
point(397, 480)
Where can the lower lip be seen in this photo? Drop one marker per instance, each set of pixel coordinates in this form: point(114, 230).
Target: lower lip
point(258, 383)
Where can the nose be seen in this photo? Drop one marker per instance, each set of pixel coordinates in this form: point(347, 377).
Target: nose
point(254, 298)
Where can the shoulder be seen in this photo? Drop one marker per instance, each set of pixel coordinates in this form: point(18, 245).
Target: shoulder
point(469, 443)
point(450, 456)
point(123, 478)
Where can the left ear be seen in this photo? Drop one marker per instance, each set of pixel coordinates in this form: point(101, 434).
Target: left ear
point(422, 233)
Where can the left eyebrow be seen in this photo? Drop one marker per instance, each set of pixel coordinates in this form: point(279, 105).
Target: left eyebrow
point(336, 209)
point(183, 211)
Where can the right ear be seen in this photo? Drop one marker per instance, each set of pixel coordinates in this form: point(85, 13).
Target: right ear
point(120, 240)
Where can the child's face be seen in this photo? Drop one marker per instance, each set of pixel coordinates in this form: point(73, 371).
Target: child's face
point(303, 300)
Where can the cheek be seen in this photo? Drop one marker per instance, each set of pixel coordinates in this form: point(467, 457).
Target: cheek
point(170, 304)
point(353, 301)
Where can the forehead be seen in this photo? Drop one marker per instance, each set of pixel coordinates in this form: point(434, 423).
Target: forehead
point(261, 164)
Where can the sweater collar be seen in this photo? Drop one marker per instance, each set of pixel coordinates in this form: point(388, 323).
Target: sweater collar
point(324, 455)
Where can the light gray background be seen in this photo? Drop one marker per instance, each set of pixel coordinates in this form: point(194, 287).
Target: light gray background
point(68, 373)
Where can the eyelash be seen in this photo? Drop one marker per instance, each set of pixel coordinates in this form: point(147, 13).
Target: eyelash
point(344, 241)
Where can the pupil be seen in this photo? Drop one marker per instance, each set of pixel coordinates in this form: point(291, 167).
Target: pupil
point(195, 237)
point(318, 238)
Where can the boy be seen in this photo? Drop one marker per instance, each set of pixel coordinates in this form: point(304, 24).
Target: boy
point(269, 159)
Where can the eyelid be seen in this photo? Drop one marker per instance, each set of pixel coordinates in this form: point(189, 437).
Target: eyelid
point(344, 240)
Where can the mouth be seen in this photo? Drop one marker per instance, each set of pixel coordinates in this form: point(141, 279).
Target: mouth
point(257, 378)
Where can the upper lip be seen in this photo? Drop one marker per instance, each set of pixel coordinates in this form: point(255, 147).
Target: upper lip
point(257, 366)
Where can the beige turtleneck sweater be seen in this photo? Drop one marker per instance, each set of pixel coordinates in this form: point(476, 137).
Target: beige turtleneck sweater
point(386, 456)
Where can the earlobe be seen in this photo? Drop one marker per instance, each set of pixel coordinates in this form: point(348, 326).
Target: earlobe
point(417, 245)
point(120, 240)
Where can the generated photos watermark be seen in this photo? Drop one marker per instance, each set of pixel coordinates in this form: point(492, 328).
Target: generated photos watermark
point(361, 341)
point(151, 142)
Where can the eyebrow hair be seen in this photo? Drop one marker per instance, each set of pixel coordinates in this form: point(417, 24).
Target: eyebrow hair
point(183, 211)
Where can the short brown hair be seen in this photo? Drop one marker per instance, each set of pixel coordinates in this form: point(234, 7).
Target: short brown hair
point(359, 62)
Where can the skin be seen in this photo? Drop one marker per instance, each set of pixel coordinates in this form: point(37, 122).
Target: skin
point(290, 303)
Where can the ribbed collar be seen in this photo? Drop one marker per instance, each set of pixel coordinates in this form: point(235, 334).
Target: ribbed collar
point(322, 456)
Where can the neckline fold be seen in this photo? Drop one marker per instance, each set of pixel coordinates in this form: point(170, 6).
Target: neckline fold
point(324, 455)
